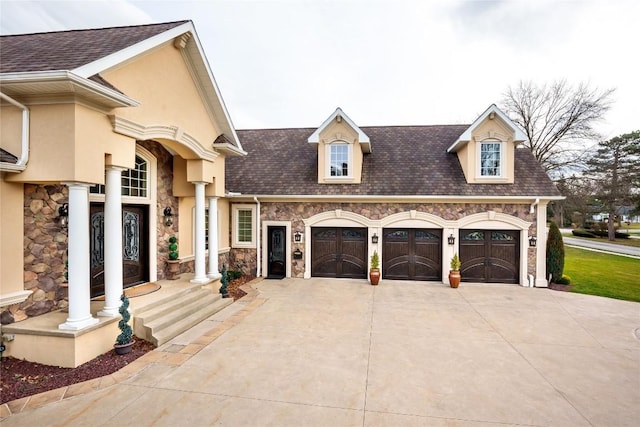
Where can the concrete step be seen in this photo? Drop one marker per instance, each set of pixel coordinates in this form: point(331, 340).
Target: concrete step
point(168, 318)
point(186, 323)
point(161, 308)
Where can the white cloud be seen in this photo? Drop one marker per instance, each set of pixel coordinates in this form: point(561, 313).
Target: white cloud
point(285, 63)
point(19, 17)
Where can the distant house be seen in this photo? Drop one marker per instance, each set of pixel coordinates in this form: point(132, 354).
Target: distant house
point(113, 140)
point(623, 213)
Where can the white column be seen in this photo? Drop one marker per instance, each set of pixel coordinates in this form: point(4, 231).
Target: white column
point(213, 239)
point(199, 243)
point(541, 245)
point(112, 244)
point(79, 260)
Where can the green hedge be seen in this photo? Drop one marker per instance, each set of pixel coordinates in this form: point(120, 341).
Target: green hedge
point(583, 233)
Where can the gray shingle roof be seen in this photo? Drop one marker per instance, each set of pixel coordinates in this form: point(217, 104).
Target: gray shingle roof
point(405, 160)
point(67, 50)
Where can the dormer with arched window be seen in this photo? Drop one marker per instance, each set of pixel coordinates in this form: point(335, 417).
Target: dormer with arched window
point(341, 146)
point(486, 150)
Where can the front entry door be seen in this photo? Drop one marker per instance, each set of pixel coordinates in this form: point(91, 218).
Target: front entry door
point(277, 267)
point(134, 246)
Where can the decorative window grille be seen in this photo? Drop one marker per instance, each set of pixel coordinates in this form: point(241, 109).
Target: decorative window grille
point(135, 182)
point(339, 160)
point(490, 159)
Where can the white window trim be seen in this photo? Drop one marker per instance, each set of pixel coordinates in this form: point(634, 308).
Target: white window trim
point(327, 162)
point(502, 173)
point(234, 225)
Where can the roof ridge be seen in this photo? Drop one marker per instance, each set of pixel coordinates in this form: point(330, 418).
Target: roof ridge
point(361, 127)
point(99, 29)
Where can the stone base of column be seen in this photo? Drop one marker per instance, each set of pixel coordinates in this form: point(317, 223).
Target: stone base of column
point(541, 283)
point(214, 276)
point(200, 280)
point(76, 325)
point(109, 312)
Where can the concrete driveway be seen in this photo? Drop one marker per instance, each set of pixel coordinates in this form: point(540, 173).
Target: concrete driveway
point(324, 352)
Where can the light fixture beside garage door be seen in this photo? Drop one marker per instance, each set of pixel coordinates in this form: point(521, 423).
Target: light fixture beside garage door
point(374, 238)
point(532, 241)
point(451, 240)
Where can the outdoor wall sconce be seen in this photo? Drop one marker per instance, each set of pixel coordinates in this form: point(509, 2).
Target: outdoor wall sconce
point(532, 241)
point(451, 240)
point(374, 238)
point(63, 215)
point(168, 216)
point(297, 237)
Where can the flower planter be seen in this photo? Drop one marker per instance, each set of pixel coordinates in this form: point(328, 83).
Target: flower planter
point(374, 276)
point(454, 278)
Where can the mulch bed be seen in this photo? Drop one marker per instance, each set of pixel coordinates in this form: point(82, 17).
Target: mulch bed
point(19, 378)
point(557, 287)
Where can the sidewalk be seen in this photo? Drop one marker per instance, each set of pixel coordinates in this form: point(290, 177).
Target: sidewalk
point(327, 352)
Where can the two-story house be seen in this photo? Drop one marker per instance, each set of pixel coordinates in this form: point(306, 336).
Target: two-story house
point(114, 140)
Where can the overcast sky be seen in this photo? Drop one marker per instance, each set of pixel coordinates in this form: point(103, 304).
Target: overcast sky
point(288, 63)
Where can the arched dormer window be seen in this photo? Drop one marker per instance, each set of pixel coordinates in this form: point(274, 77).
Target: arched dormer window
point(339, 155)
point(490, 156)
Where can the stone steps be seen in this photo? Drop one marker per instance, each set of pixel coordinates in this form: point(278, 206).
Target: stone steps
point(167, 318)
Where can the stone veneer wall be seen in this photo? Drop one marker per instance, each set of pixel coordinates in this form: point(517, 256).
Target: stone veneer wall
point(298, 212)
point(165, 198)
point(45, 253)
point(244, 260)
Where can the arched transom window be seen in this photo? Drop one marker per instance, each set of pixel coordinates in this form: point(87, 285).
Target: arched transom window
point(135, 182)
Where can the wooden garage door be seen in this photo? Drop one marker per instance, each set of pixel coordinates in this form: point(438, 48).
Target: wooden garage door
point(339, 252)
point(412, 254)
point(490, 256)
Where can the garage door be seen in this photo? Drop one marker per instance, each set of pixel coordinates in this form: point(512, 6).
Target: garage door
point(339, 252)
point(412, 254)
point(490, 256)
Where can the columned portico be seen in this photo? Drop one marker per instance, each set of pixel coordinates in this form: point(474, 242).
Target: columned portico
point(113, 245)
point(79, 263)
point(199, 241)
point(213, 239)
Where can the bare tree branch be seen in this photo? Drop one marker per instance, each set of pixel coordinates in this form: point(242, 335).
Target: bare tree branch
point(557, 118)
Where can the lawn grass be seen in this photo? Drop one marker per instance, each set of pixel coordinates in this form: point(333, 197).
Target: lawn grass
point(606, 275)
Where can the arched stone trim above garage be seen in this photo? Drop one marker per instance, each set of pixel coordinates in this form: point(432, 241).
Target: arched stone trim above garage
point(414, 219)
point(339, 218)
point(493, 220)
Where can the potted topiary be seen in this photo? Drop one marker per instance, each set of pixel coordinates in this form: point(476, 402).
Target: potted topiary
point(224, 280)
point(454, 273)
point(374, 272)
point(173, 262)
point(124, 341)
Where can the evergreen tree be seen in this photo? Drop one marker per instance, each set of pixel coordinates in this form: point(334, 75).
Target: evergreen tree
point(555, 253)
point(616, 167)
